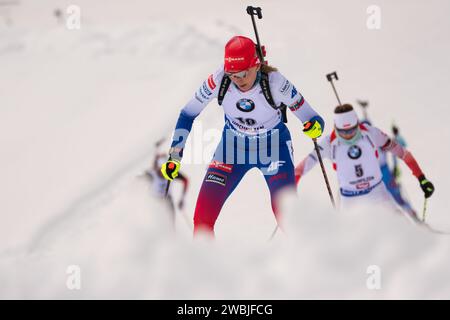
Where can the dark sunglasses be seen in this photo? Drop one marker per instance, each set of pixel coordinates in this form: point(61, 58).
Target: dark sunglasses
point(348, 131)
point(239, 75)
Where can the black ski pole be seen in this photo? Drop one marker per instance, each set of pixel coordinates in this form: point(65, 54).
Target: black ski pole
point(330, 77)
point(424, 211)
point(274, 232)
point(364, 105)
point(395, 168)
point(252, 11)
point(166, 193)
point(319, 156)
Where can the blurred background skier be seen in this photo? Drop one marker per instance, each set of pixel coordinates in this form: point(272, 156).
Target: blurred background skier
point(391, 173)
point(159, 183)
point(253, 97)
point(353, 148)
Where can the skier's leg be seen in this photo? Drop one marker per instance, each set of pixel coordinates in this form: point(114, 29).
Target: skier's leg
point(223, 175)
point(388, 201)
point(219, 182)
point(402, 202)
point(381, 196)
point(283, 181)
point(280, 176)
point(348, 203)
point(391, 184)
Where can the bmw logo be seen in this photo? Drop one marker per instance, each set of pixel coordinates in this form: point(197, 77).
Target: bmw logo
point(354, 152)
point(245, 105)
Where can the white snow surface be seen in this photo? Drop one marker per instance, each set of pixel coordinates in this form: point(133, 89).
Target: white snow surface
point(80, 111)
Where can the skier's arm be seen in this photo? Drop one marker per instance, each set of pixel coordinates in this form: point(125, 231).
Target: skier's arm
point(383, 141)
point(207, 92)
point(311, 160)
point(387, 144)
point(402, 153)
point(286, 93)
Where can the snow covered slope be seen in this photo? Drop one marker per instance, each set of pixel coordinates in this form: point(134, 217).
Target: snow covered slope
point(80, 111)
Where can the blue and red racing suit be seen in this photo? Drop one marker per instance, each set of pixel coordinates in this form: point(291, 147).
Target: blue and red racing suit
point(254, 136)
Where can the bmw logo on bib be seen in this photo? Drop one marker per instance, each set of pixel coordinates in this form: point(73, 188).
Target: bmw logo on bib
point(354, 152)
point(245, 105)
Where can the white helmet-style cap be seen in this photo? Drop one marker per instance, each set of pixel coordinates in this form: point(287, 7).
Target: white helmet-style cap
point(346, 120)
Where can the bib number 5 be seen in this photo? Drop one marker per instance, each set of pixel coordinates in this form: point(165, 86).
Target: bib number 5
point(359, 170)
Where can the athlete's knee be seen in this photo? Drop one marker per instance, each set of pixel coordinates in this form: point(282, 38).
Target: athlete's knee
point(207, 210)
point(203, 224)
point(280, 180)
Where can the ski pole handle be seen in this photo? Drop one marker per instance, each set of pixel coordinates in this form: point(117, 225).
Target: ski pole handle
point(330, 77)
point(364, 105)
point(254, 11)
